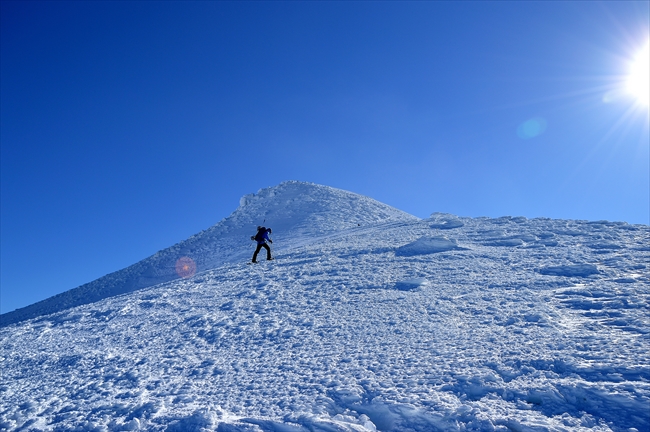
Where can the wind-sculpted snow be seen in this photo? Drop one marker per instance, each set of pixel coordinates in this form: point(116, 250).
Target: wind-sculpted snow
point(581, 270)
point(349, 334)
point(426, 245)
point(293, 209)
point(445, 221)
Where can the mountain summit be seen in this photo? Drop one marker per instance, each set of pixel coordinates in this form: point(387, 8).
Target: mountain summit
point(293, 209)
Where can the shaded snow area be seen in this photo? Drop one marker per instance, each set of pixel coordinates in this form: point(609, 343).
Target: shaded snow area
point(386, 324)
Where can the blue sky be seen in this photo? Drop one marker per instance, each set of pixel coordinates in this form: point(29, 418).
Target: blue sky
point(126, 127)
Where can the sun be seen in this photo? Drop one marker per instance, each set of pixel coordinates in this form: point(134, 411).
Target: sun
point(638, 81)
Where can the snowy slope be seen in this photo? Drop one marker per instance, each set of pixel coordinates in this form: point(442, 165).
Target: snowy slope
point(390, 323)
point(293, 209)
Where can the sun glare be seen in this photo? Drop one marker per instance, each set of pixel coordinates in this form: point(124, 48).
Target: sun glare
point(638, 82)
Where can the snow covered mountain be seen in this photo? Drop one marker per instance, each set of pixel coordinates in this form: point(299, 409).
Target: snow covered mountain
point(293, 209)
point(369, 319)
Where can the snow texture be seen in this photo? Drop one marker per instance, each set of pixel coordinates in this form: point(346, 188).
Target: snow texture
point(368, 320)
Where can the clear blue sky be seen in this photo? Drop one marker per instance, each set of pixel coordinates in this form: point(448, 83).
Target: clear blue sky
point(129, 126)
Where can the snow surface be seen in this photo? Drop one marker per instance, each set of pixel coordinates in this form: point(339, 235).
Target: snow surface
point(369, 319)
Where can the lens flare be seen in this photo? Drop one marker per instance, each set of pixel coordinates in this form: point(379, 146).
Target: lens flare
point(185, 267)
point(638, 82)
point(531, 128)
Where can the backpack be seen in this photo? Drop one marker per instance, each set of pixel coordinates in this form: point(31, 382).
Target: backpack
point(259, 237)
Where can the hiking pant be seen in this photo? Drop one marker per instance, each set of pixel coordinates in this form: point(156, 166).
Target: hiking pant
point(259, 248)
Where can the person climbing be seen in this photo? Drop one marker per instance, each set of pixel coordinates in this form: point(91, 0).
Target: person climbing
point(261, 238)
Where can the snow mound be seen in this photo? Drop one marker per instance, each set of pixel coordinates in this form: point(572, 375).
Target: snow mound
point(445, 221)
point(574, 270)
point(427, 245)
point(411, 284)
point(293, 209)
